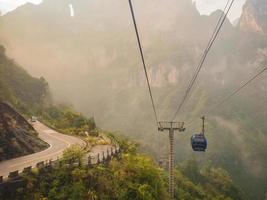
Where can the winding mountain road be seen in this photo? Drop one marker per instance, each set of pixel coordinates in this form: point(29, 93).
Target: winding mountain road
point(58, 143)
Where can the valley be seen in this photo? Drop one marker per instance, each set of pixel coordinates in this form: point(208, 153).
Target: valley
point(92, 64)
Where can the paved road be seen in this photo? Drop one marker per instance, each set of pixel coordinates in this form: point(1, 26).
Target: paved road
point(57, 141)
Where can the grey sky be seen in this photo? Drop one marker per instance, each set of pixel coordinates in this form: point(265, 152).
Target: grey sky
point(204, 6)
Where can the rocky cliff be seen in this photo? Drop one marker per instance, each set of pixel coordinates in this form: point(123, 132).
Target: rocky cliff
point(97, 58)
point(254, 17)
point(17, 136)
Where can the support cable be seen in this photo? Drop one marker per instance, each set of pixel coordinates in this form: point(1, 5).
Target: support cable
point(236, 91)
point(203, 58)
point(143, 61)
point(239, 89)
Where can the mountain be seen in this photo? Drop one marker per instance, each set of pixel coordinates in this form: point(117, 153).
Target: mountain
point(92, 60)
point(83, 40)
point(254, 16)
point(19, 88)
point(236, 21)
point(111, 180)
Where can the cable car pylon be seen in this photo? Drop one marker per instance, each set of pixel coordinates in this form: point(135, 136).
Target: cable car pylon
point(171, 127)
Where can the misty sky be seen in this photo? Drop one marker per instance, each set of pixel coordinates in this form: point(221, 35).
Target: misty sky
point(9, 5)
point(208, 6)
point(204, 6)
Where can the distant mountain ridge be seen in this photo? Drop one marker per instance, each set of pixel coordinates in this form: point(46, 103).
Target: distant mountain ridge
point(92, 60)
point(254, 17)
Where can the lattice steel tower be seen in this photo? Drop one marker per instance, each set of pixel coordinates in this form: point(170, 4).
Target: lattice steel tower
point(171, 127)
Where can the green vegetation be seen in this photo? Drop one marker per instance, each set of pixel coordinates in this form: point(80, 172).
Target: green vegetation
point(66, 120)
point(73, 154)
point(25, 93)
point(109, 82)
point(31, 96)
point(208, 182)
point(17, 137)
point(128, 176)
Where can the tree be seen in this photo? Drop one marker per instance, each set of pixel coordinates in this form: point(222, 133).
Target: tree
point(72, 154)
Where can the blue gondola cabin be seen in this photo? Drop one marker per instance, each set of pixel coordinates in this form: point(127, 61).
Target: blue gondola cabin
point(199, 142)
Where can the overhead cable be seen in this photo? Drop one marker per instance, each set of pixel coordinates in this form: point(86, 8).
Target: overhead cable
point(143, 61)
point(204, 56)
point(235, 92)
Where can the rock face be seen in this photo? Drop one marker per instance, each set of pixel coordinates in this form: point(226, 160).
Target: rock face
point(98, 68)
point(17, 136)
point(170, 40)
point(254, 17)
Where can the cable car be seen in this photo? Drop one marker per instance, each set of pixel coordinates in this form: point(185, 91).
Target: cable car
point(198, 141)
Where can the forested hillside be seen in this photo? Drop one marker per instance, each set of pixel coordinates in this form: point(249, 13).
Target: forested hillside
point(24, 93)
point(129, 176)
point(92, 61)
point(17, 136)
point(20, 89)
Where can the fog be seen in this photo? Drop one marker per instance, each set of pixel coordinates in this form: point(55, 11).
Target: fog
point(89, 56)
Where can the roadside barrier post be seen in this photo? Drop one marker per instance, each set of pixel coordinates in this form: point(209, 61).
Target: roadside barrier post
point(98, 158)
point(89, 161)
point(111, 150)
point(103, 156)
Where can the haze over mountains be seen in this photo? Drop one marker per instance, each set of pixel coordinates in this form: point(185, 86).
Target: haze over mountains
point(25, 93)
point(92, 61)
